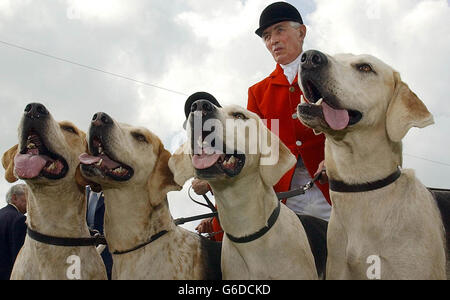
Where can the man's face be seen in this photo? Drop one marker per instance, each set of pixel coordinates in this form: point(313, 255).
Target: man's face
point(284, 42)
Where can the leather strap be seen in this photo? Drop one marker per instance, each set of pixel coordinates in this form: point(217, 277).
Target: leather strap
point(152, 239)
point(249, 238)
point(342, 187)
point(66, 242)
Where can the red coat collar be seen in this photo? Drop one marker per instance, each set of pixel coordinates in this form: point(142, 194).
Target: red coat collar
point(279, 78)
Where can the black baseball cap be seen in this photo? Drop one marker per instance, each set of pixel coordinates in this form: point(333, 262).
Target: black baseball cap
point(198, 96)
point(275, 13)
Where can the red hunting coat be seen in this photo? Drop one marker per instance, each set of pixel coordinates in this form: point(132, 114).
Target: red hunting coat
point(275, 98)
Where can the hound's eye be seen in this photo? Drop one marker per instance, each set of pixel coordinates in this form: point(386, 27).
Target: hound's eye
point(366, 68)
point(238, 115)
point(139, 137)
point(69, 129)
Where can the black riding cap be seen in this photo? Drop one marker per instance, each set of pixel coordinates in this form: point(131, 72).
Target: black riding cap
point(275, 13)
point(198, 96)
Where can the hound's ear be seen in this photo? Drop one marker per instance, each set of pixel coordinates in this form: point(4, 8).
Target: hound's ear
point(82, 182)
point(278, 159)
point(162, 180)
point(8, 164)
point(181, 164)
point(405, 111)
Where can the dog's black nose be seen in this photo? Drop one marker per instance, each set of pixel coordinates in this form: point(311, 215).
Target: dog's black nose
point(101, 119)
point(36, 111)
point(205, 106)
point(313, 59)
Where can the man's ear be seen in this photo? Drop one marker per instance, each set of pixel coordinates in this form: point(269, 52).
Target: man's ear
point(405, 111)
point(302, 30)
point(8, 164)
point(162, 180)
point(280, 161)
point(181, 164)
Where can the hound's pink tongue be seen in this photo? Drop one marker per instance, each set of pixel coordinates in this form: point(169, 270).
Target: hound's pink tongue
point(88, 159)
point(337, 119)
point(106, 161)
point(204, 161)
point(29, 166)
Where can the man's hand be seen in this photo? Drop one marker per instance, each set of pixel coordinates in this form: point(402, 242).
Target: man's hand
point(205, 226)
point(200, 187)
point(321, 169)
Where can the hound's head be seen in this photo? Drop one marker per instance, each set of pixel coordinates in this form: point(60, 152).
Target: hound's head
point(350, 92)
point(227, 144)
point(123, 155)
point(47, 152)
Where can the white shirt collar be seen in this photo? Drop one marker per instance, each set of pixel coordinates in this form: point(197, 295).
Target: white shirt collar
point(291, 69)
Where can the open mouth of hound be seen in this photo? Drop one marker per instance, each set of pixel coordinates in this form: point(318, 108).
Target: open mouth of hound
point(209, 161)
point(36, 160)
point(229, 164)
point(326, 107)
point(102, 163)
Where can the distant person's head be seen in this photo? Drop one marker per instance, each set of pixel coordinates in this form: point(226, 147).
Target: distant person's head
point(197, 96)
point(17, 195)
point(282, 30)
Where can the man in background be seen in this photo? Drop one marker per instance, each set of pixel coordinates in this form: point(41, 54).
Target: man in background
point(277, 96)
point(12, 228)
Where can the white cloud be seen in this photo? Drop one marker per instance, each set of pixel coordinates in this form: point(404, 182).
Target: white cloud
point(221, 24)
point(99, 10)
point(9, 8)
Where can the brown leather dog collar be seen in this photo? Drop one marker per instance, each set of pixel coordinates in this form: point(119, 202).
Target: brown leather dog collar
point(249, 238)
point(95, 240)
point(342, 187)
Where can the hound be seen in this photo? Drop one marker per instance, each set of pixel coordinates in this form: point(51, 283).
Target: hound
point(46, 158)
point(130, 164)
point(384, 223)
point(263, 239)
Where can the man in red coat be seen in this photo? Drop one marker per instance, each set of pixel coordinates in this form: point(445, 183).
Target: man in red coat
point(277, 97)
